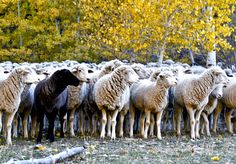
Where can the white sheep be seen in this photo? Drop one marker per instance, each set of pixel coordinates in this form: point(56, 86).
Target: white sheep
point(110, 97)
point(90, 106)
point(10, 96)
point(150, 97)
point(193, 92)
point(76, 94)
point(216, 94)
point(228, 101)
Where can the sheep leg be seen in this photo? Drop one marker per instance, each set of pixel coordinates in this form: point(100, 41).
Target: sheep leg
point(104, 122)
point(165, 118)
point(177, 120)
point(192, 121)
point(228, 113)
point(147, 123)
point(62, 117)
point(152, 122)
point(94, 127)
point(121, 122)
point(198, 115)
point(113, 123)
point(40, 121)
point(108, 125)
point(71, 115)
point(15, 127)
point(158, 123)
point(142, 120)
point(202, 122)
point(206, 124)
point(132, 115)
point(186, 120)
point(80, 117)
point(0, 121)
point(50, 130)
point(10, 117)
point(33, 125)
point(216, 115)
point(4, 130)
point(24, 125)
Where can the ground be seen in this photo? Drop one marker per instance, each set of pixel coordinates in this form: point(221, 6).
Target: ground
point(219, 148)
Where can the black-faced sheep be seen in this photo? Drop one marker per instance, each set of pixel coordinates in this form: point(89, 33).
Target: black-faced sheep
point(150, 97)
point(110, 97)
point(10, 96)
point(193, 92)
point(50, 98)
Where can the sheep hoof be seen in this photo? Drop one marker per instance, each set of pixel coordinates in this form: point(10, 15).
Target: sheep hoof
point(198, 136)
point(192, 139)
point(159, 138)
point(208, 135)
point(121, 135)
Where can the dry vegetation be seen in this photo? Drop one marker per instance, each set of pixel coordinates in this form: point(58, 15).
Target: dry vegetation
point(219, 148)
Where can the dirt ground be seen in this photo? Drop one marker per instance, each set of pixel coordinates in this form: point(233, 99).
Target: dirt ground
point(219, 148)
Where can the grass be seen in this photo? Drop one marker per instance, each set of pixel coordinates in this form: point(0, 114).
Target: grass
point(127, 150)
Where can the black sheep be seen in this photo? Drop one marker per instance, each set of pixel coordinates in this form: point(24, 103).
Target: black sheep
point(51, 98)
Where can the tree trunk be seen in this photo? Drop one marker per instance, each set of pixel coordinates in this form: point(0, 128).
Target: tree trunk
point(161, 56)
point(58, 30)
point(53, 158)
point(211, 58)
point(20, 37)
point(191, 57)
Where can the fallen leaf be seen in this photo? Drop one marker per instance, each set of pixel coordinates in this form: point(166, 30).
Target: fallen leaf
point(40, 147)
point(215, 158)
point(55, 150)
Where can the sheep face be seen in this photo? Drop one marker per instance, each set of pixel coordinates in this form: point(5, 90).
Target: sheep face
point(140, 71)
point(65, 77)
point(81, 72)
point(218, 91)
point(28, 75)
point(111, 65)
point(130, 75)
point(168, 78)
point(220, 76)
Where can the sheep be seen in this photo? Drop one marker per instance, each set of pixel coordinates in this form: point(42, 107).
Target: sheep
point(25, 107)
point(76, 94)
point(143, 73)
point(193, 92)
point(51, 98)
point(150, 97)
point(89, 105)
point(110, 95)
point(140, 71)
point(216, 94)
point(228, 101)
point(10, 96)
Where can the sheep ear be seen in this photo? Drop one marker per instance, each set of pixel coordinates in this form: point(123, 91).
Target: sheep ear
point(217, 72)
point(73, 70)
point(188, 71)
point(24, 71)
point(90, 71)
point(161, 76)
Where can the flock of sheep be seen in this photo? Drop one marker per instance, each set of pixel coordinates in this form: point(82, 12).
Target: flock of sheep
point(142, 98)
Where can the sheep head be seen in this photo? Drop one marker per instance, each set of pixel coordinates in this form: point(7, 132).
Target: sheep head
point(167, 78)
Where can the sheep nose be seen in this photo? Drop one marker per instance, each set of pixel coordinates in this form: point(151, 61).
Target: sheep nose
point(88, 80)
point(218, 96)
